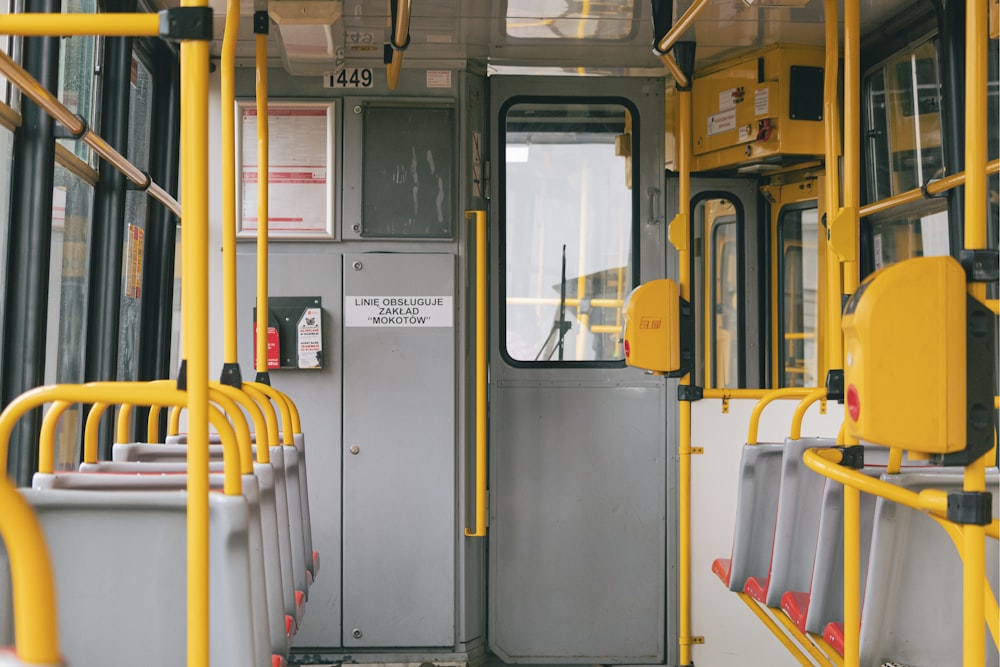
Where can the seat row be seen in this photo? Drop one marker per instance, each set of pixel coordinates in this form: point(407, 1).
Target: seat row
point(117, 534)
point(788, 557)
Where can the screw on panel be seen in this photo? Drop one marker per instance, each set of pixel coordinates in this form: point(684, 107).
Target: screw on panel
point(357, 266)
point(357, 108)
point(354, 449)
point(356, 228)
point(356, 633)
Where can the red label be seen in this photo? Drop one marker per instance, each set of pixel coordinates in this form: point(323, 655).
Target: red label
point(853, 402)
point(273, 350)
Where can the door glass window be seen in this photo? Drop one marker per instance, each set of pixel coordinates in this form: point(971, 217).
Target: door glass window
point(725, 299)
point(567, 234)
point(797, 292)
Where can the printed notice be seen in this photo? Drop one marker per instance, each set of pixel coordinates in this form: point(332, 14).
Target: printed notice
point(398, 311)
point(309, 335)
point(761, 101)
point(133, 259)
point(722, 122)
point(297, 173)
point(438, 78)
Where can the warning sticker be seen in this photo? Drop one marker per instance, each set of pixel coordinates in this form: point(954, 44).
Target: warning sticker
point(761, 101)
point(309, 336)
point(722, 122)
point(398, 311)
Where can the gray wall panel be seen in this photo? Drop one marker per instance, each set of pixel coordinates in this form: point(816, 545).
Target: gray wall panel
point(399, 486)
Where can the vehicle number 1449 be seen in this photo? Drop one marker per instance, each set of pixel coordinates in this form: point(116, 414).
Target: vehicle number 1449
point(350, 77)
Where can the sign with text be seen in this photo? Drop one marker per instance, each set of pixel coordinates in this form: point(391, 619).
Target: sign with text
point(398, 311)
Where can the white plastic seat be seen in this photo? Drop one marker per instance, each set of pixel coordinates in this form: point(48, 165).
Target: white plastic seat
point(756, 507)
point(912, 610)
point(119, 561)
point(152, 480)
point(796, 525)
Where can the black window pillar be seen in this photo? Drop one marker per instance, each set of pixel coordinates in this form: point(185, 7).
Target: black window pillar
point(156, 309)
point(107, 232)
point(29, 248)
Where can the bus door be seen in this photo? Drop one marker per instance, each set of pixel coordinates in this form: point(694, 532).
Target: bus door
point(579, 475)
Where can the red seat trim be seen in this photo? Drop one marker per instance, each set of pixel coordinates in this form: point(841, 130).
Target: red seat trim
point(834, 636)
point(796, 605)
point(721, 568)
point(756, 588)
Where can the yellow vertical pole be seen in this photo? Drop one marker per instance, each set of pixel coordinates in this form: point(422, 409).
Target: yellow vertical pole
point(852, 131)
point(228, 103)
point(680, 233)
point(194, 195)
point(262, 202)
point(831, 127)
point(974, 537)
point(481, 369)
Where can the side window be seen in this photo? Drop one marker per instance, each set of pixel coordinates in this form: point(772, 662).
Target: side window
point(77, 82)
point(717, 272)
point(569, 215)
point(797, 297)
point(903, 122)
point(140, 98)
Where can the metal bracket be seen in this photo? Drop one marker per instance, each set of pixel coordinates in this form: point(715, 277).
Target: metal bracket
point(231, 376)
point(928, 195)
point(852, 457)
point(981, 266)
point(62, 132)
point(835, 385)
point(261, 23)
point(690, 392)
point(697, 450)
point(970, 507)
point(186, 23)
point(725, 405)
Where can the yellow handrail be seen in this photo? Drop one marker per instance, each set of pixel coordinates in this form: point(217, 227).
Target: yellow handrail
point(36, 633)
point(402, 31)
point(267, 408)
point(767, 399)
point(174, 423)
point(285, 407)
point(38, 94)
point(91, 431)
point(227, 100)
point(481, 333)
point(251, 407)
point(47, 436)
point(36, 24)
point(833, 339)
point(263, 164)
point(677, 30)
point(934, 187)
point(800, 411)
point(153, 424)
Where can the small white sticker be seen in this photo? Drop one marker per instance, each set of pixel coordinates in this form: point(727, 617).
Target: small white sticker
point(398, 311)
point(309, 338)
point(438, 78)
point(727, 99)
point(877, 246)
point(745, 134)
point(761, 101)
point(722, 122)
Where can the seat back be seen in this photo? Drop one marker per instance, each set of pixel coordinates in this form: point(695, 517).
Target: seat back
point(756, 507)
point(913, 598)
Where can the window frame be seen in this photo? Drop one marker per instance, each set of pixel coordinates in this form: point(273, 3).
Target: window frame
point(634, 254)
point(779, 288)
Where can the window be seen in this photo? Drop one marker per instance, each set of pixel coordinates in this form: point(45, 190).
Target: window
point(140, 100)
point(72, 203)
point(77, 89)
point(797, 292)
point(725, 341)
point(529, 19)
point(897, 235)
point(567, 232)
point(6, 156)
point(903, 124)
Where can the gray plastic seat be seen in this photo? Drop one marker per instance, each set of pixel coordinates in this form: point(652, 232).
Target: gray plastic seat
point(119, 561)
point(800, 495)
point(160, 480)
point(912, 611)
point(268, 477)
point(312, 557)
point(756, 507)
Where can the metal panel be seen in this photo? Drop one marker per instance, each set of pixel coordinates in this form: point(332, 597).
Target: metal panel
point(399, 454)
point(578, 525)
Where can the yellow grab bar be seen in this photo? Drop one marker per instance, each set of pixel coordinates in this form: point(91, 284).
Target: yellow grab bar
point(284, 407)
point(679, 28)
point(800, 411)
point(36, 24)
point(267, 408)
point(153, 424)
point(481, 333)
point(934, 187)
point(91, 431)
point(36, 633)
point(174, 424)
point(47, 437)
point(767, 399)
point(262, 204)
point(246, 401)
point(227, 100)
point(401, 32)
